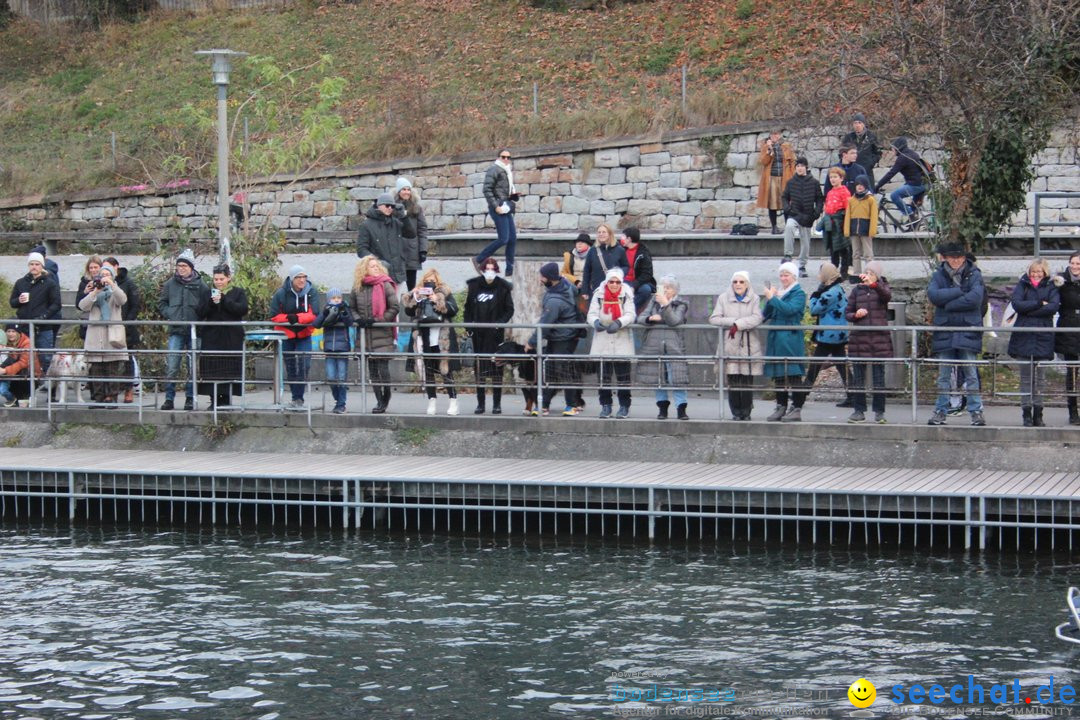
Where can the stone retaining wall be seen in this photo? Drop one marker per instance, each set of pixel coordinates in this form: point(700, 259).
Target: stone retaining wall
point(704, 179)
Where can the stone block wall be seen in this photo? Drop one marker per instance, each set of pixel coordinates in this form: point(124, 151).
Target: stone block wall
point(701, 180)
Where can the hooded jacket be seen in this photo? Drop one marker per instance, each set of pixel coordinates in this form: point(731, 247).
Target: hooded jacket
point(335, 320)
point(908, 163)
point(384, 236)
point(183, 301)
point(875, 300)
point(304, 304)
point(1035, 308)
point(18, 359)
point(829, 304)
point(486, 303)
point(559, 307)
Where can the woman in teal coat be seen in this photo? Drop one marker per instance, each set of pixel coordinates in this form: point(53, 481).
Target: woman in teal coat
point(784, 306)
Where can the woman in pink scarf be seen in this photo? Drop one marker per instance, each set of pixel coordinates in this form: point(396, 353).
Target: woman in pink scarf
point(374, 300)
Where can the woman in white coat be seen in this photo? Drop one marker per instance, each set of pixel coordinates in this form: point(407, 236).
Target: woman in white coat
point(106, 342)
point(612, 314)
point(739, 310)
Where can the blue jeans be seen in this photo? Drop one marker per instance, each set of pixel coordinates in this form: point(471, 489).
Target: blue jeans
point(642, 293)
point(297, 363)
point(337, 373)
point(898, 195)
point(177, 345)
point(945, 381)
point(5, 390)
point(662, 395)
point(506, 234)
point(45, 340)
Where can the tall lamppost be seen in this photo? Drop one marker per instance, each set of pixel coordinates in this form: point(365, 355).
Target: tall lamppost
point(221, 68)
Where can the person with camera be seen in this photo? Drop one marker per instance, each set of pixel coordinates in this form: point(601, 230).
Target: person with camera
point(36, 296)
point(228, 304)
point(488, 301)
point(386, 228)
point(868, 306)
point(336, 319)
point(294, 308)
point(105, 347)
point(432, 305)
point(184, 298)
point(501, 196)
point(131, 312)
point(375, 300)
point(90, 271)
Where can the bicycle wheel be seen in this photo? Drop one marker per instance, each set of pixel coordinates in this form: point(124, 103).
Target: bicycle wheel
point(890, 217)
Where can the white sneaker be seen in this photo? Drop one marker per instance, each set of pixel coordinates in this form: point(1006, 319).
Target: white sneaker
point(452, 410)
point(431, 406)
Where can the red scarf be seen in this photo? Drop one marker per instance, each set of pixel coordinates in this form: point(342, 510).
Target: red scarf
point(378, 295)
point(612, 302)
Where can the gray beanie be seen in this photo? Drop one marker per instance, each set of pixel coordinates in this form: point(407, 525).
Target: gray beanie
point(385, 199)
point(549, 271)
point(296, 270)
point(186, 256)
point(401, 184)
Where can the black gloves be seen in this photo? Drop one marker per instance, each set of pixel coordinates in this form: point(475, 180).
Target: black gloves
point(366, 323)
point(423, 256)
point(293, 320)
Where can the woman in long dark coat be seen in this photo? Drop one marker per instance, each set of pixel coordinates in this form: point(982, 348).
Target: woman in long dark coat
point(1068, 343)
point(230, 305)
point(488, 301)
point(1036, 300)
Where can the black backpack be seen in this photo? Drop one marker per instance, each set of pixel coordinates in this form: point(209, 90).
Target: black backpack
point(745, 229)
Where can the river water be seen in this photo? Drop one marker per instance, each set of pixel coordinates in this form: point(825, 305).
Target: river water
point(118, 623)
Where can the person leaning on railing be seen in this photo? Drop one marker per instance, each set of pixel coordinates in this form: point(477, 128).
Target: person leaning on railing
point(1035, 300)
point(294, 307)
point(611, 313)
point(1068, 343)
point(106, 342)
point(663, 351)
point(868, 306)
point(431, 303)
point(375, 300)
point(739, 310)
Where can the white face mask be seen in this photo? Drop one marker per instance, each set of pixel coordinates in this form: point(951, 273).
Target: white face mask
point(489, 275)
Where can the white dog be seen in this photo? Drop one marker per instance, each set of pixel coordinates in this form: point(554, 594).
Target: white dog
point(67, 368)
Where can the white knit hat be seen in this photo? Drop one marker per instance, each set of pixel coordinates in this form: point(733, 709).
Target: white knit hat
point(790, 267)
point(740, 274)
point(402, 182)
point(35, 257)
point(614, 272)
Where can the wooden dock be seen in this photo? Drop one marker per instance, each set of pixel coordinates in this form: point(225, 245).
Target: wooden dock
point(955, 507)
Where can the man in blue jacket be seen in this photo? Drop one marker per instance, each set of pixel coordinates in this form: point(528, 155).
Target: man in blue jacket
point(956, 290)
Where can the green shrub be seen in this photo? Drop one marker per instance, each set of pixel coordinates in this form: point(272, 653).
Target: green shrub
point(72, 81)
point(658, 60)
point(744, 10)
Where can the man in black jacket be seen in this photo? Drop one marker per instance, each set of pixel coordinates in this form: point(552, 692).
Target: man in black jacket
point(865, 142)
point(851, 168)
point(36, 296)
point(383, 234)
point(803, 203)
point(911, 166)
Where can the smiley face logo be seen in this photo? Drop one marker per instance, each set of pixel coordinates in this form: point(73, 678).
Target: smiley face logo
point(862, 693)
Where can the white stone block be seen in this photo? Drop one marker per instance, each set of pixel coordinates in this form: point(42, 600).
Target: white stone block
point(562, 221)
point(677, 194)
point(681, 163)
point(629, 156)
point(606, 158)
point(657, 158)
point(645, 207)
point(575, 205)
point(642, 174)
point(615, 192)
point(602, 207)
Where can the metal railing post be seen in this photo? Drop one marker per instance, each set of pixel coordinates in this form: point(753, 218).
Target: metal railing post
point(540, 374)
point(193, 342)
point(914, 375)
point(721, 375)
point(361, 371)
point(1035, 226)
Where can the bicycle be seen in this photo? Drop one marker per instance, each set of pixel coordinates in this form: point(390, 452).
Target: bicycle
point(890, 216)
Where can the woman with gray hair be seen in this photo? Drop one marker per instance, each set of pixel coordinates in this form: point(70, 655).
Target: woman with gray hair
point(739, 310)
point(663, 339)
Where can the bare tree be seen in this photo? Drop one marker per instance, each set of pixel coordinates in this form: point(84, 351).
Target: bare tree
point(990, 77)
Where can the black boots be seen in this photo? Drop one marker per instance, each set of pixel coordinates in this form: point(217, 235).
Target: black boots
point(682, 412)
point(496, 400)
point(1027, 416)
point(1037, 417)
point(382, 397)
point(1074, 416)
point(481, 401)
point(663, 405)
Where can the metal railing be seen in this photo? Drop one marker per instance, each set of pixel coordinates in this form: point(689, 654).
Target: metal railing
point(1038, 223)
point(262, 360)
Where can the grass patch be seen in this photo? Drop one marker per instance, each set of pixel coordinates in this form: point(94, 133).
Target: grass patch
point(658, 60)
point(144, 433)
point(13, 442)
point(217, 431)
point(415, 437)
point(71, 81)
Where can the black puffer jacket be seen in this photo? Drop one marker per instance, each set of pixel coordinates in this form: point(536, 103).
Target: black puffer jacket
point(488, 303)
point(875, 300)
point(384, 236)
point(803, 200)
point(1035, 308)
point(1068, 314)
point(497, 187)
point(44, 297)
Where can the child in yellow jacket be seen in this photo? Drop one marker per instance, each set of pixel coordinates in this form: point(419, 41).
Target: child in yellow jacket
point(860, 224)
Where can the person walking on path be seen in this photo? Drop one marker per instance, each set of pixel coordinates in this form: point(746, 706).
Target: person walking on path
point(803, 202)
point(1036, 300)
point(184, 298)
point(956, 291)
point(502, 196)
point(777, 161)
